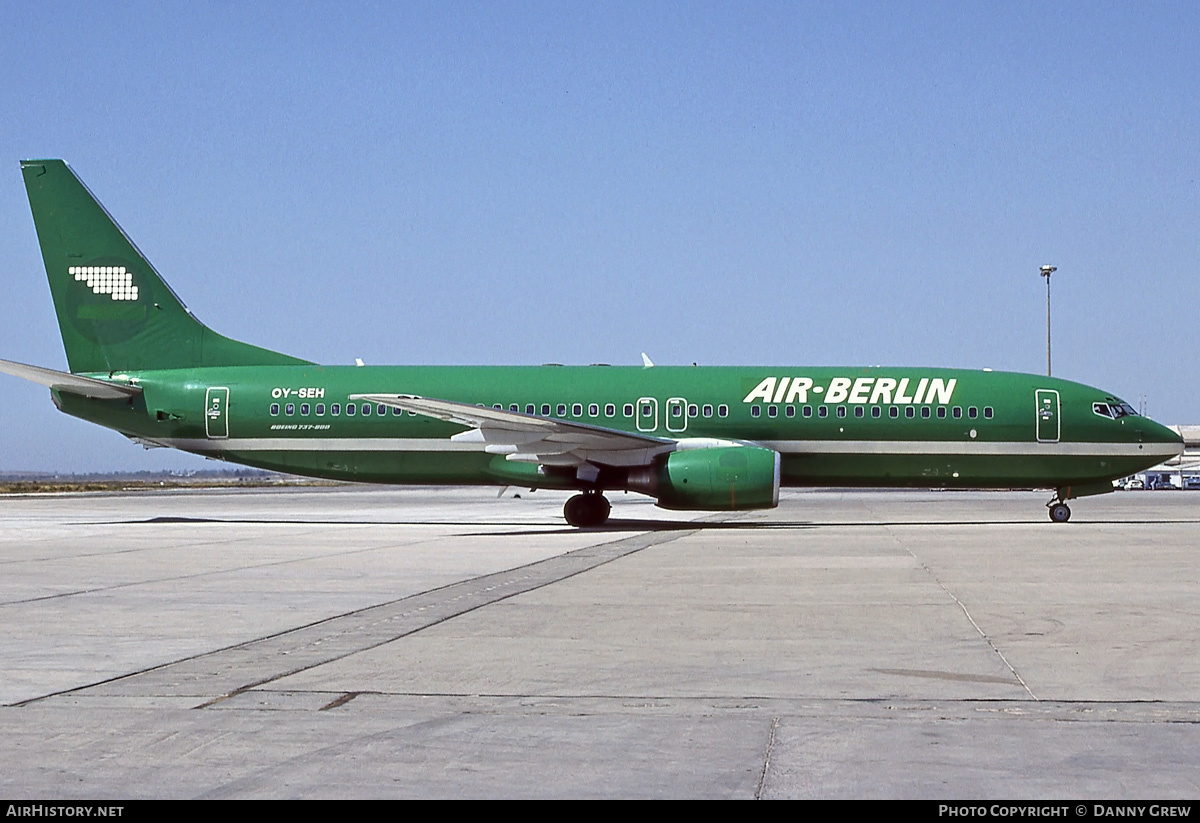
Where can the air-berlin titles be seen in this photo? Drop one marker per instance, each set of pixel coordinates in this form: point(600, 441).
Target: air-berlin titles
point(864, 390)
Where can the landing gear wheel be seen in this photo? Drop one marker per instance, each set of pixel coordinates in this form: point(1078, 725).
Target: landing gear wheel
point(589, 509)
point(1060, 513)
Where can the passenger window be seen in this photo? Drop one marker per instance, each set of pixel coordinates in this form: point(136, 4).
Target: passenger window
point(395, 411)
point(577, 410)
point(562, 410)
point(987, 412)
point(910, 412)
point(335, 409)
point(941, 411)
point(791, 411)
point(381, 409)
point(274, 409)
point(593, 410)
point(628, 410)
point(530, 408)
point(350, 409)
point(822, 411)
point(926, 413)
point(516, 407)
point(894, 411)
point(708, 410)
point(692, 410)
point(722, 410)
point(289, 409)
point(366, 409)
point(841, 411)
point(772, 411)
point(755, 411)
point(972, 412)
point(957, 413)
point(876, 411)
point(498, 406)
point(610, 410)
point(808, 411)
point(859, 411)
point(545, 410)
point(304, 409)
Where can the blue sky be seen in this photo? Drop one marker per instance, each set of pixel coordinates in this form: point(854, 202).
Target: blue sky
point(772, 183)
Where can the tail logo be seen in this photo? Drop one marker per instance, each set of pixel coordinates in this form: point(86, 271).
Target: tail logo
point(103, 300)
point(110, 280)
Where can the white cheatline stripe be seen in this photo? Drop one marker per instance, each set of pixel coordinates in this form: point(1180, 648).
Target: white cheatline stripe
point(787, 447)
point(974, 447)
point(324, 444)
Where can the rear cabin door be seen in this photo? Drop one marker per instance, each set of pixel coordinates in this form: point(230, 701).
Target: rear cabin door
point(216, 413)
point(1048, 420)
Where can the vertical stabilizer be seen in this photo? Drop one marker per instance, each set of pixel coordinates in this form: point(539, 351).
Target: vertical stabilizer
point(114, 311)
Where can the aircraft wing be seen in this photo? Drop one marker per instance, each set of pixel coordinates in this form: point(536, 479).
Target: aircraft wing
point(73, 383)
point(531, 439)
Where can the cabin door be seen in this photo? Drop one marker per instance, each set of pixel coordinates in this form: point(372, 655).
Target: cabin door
point(216, 413)
point(1049, 426)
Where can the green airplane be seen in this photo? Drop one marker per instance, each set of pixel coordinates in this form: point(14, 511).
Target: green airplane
point(694, 438)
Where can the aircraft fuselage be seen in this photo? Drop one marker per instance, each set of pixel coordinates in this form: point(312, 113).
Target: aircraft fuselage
point(973, 429)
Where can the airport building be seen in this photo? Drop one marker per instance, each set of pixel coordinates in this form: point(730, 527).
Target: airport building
point(1182, 472)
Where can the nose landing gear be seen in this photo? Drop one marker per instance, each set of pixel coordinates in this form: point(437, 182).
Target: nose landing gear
point(587, 509)
point(1060, 513)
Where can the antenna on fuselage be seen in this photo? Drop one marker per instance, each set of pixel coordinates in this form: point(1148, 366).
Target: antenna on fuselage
point(646, 361)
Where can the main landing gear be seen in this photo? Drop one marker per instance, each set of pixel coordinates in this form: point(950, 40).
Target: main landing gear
point(587, 509)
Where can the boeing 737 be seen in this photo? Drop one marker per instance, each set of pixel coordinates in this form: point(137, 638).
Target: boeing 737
point(693, 438)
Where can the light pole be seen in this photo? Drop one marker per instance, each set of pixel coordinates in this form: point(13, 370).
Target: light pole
point(1046, 272)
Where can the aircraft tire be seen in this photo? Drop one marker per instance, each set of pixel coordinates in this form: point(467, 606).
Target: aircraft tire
point(1060, 513)
point(584, 510)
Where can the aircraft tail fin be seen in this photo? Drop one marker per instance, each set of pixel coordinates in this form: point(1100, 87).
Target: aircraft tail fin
point(115, 312)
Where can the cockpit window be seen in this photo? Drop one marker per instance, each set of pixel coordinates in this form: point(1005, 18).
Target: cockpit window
point(1114, 411)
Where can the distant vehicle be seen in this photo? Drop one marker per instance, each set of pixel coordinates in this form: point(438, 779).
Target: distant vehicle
point(1191, 482)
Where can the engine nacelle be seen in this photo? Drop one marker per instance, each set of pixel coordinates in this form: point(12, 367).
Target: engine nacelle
point(724, 478)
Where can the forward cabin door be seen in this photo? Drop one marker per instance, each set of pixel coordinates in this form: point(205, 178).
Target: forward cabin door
point(216, 413)
point(1049, 426)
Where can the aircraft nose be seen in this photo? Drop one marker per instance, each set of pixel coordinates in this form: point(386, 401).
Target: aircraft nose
point(1159, 434)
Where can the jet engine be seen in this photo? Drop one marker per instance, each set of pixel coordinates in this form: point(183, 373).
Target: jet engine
point(724, 478)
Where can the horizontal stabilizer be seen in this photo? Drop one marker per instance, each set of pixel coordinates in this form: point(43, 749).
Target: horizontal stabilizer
point(72, 383)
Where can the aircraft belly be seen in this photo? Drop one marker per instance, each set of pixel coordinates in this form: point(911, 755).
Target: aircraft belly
point(417, 468)
point(953, 471)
